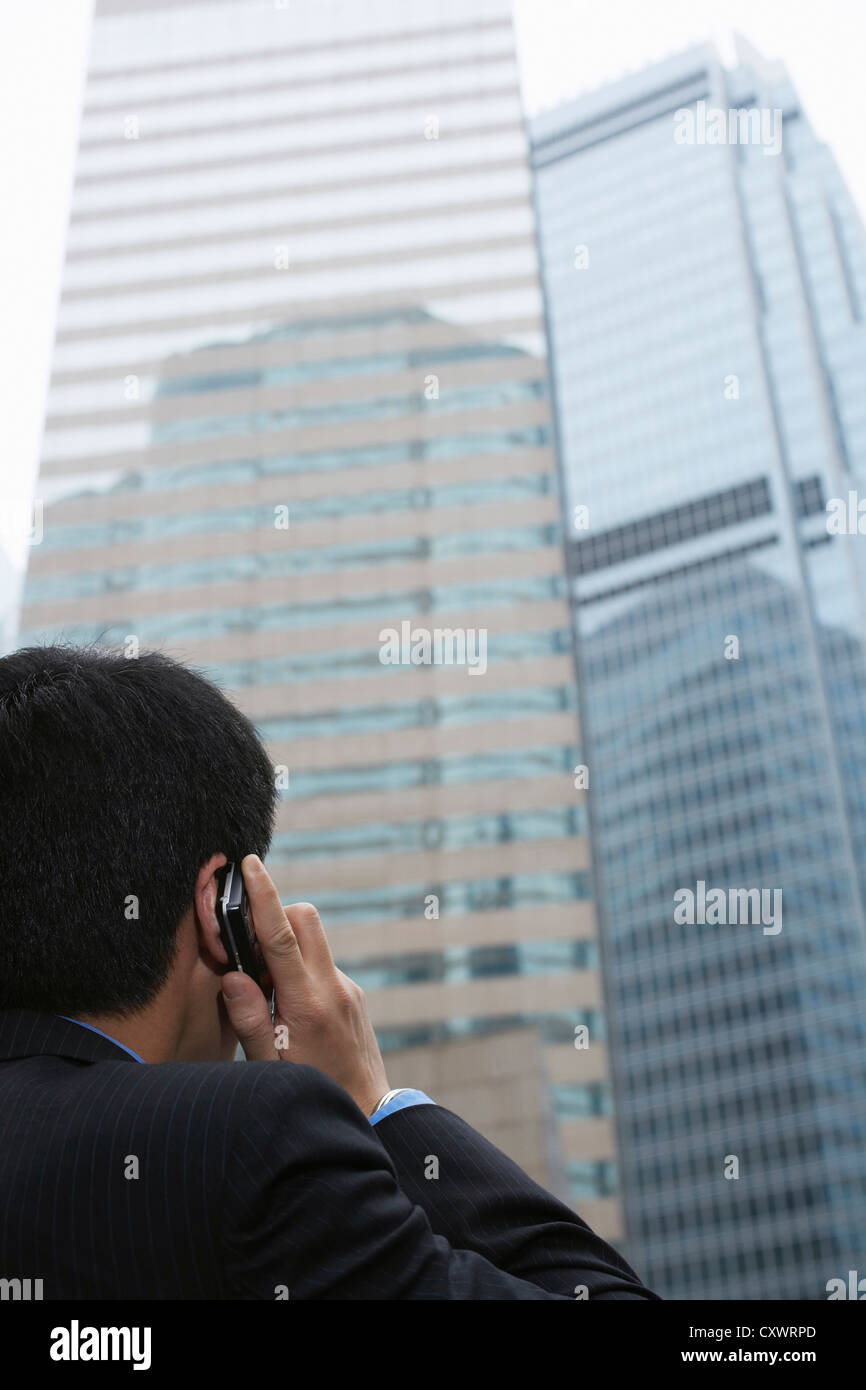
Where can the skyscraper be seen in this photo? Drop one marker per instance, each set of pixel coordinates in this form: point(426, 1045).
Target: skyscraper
point(9, 586)
point(705, 277)
point(299, 399)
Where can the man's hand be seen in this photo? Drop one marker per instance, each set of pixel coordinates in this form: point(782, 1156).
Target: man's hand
point(320, 1015)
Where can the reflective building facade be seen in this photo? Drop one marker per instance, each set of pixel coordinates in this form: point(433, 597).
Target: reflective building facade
point(9, 586)
point(300, 397)
point(705, 308)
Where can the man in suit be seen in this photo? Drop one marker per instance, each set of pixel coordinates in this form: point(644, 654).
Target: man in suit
point(136, 1159)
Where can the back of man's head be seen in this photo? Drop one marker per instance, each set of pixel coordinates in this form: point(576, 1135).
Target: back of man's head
point(119, 778)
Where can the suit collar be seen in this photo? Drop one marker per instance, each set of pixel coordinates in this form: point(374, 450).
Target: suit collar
point(25, 1033)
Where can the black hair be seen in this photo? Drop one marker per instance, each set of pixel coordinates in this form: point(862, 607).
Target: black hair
point(119, 778)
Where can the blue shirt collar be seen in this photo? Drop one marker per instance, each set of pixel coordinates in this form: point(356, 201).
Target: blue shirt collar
point(91, 1028)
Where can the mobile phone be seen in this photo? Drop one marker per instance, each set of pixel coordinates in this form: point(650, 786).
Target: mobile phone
point(237, 932)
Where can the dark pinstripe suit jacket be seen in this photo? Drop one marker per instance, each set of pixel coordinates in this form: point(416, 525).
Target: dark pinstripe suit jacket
point(257, 1181)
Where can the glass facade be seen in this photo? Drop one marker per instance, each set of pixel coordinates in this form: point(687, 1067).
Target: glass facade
point(299, 397)
point(709, 365)
point(9, 585)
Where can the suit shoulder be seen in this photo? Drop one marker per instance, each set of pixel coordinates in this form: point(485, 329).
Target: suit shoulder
point(232, 1088)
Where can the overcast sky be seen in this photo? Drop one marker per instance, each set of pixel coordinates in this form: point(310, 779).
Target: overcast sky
point(567, 47)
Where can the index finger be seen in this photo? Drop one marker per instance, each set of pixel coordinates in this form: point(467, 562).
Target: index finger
point(276, 937)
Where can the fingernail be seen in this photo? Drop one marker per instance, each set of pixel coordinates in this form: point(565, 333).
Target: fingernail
point(253, 863)
point(234, 985)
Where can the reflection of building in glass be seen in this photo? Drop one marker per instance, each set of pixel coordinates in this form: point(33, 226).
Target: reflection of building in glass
point(9, 585)
point(311, 283)
point(710, 377)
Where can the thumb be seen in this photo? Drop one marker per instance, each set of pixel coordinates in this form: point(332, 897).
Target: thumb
point(249, 1017)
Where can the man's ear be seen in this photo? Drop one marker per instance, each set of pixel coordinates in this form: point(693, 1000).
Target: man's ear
point(205, 908)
